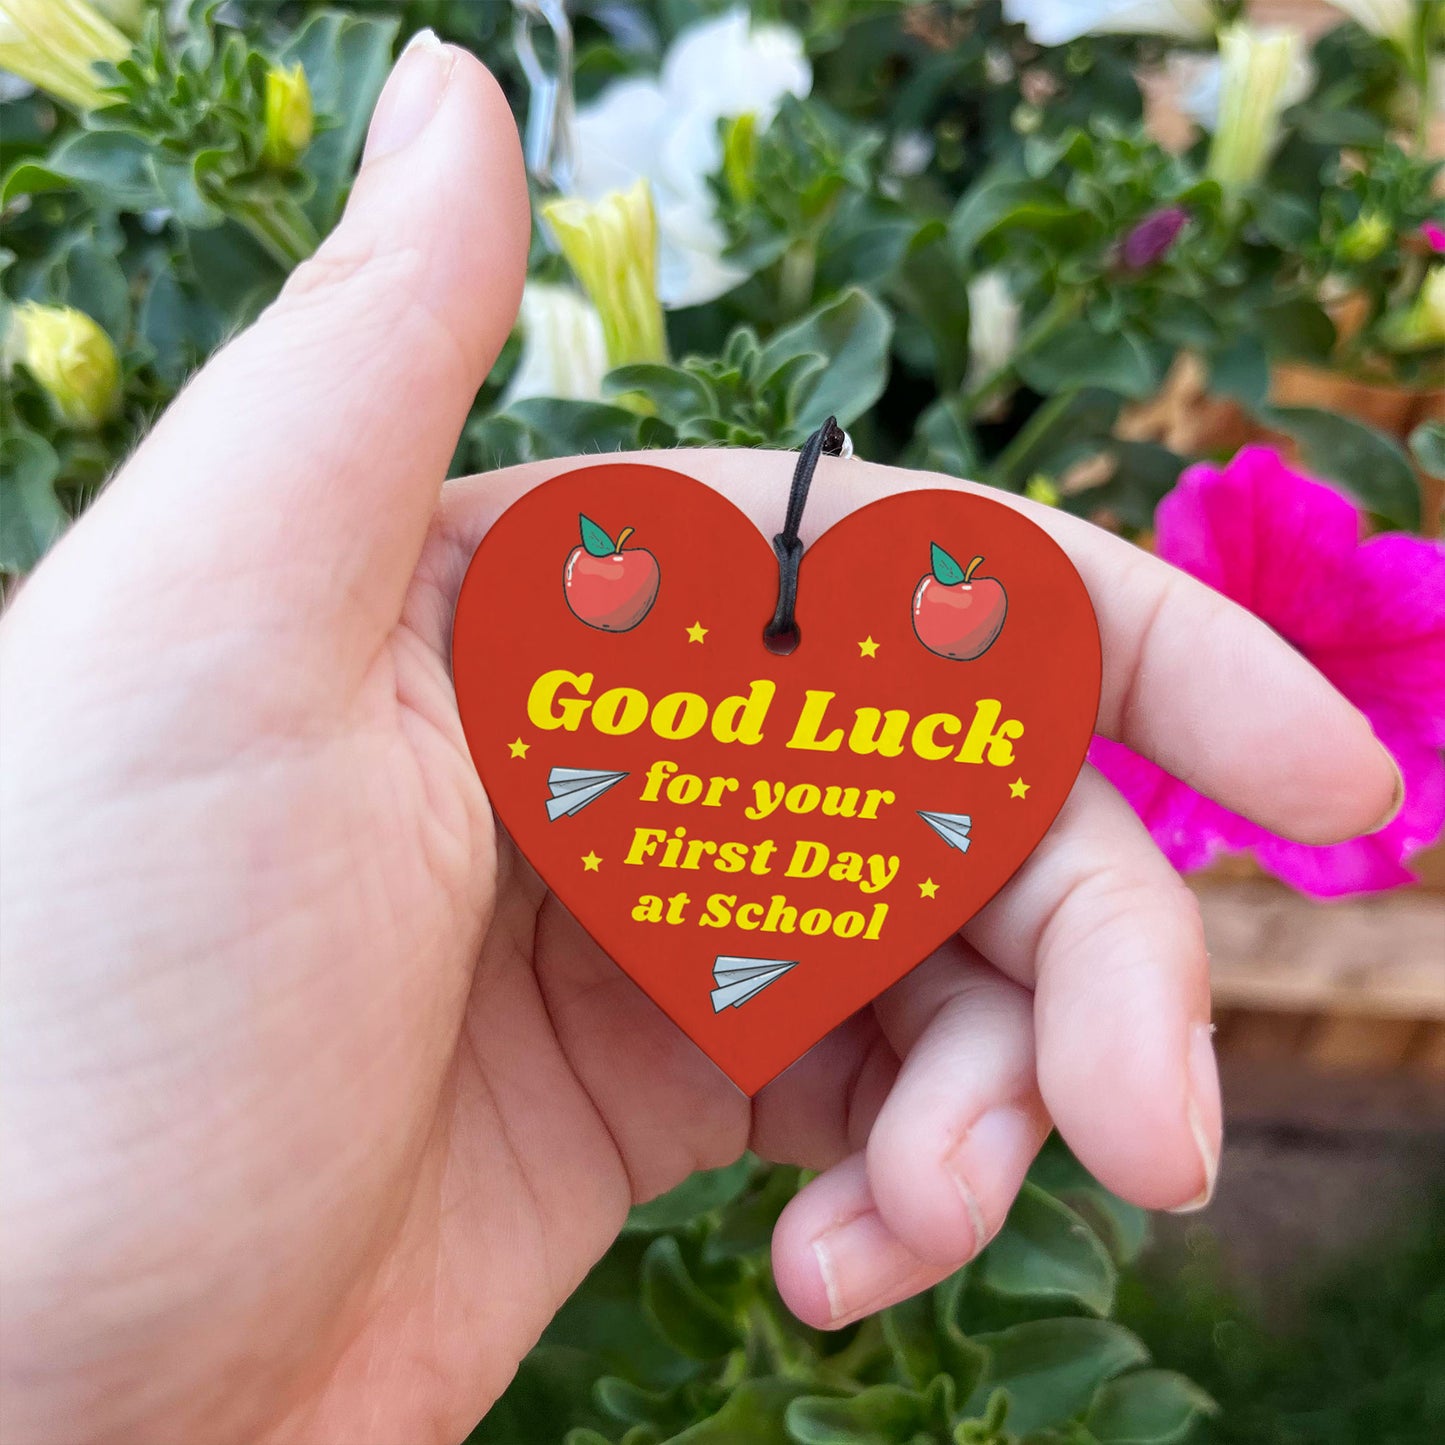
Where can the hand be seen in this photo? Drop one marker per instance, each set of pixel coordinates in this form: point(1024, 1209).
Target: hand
point(316, 1103)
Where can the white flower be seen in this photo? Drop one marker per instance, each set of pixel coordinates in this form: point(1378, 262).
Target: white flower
point(1262, 73)
point(55, 45)
point(611, 246)
point(1392, 19)
point(1198, 79)
point(1056, 22)
point(666, 130)
point(563, 351)
point(910, 153)
point(993, 325)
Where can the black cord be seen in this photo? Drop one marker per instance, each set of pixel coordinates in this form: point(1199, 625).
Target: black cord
point(781, 634)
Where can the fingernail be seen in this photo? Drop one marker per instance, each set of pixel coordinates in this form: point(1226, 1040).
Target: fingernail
point(1202, 1108)
point(411, 95)
point(1000, 1145)
point(1397, 800)
point(861, 1263)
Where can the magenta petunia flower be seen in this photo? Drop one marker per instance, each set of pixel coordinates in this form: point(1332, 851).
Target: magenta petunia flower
point(1369, 614)
point(1434, 233)
point(1152, 238)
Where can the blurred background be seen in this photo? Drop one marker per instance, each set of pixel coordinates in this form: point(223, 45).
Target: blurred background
point(1174, 265)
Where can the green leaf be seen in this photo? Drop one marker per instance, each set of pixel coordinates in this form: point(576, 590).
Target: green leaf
point(755, 1414)
point(1050, 1369)
point(1241, 370)
point(961, 1356)
point(931, 295)
point(31, 517)
point(704, 1191)
point(666, 1411)
point(1184, 322)
point(232, 271)
point(946, 441)
point(595, 540)
point(346, 59)
point(541, 427)
point(747, 1222)
point(1152, 1407)
point(1289, 221)
point(1427, 442)
point(1144, 473)
point(607, 1331)
point(688, 1317)
point(551, 1390)
point(1061, 431)
point(1045, 1250)
point(113, 166)
point(1299, 328)
point(90, 278)
point(1123, 1227)
point(945, 569)
point(911, 1330)
point(1078, 355)
point(180, 328)
point(852, 332)
point(880, 1415)
point(1366, 463)
point(1005, 201)
point(178, 188)
point(678, 394)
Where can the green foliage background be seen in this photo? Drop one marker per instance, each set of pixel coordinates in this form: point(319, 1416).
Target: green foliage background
point(159, 216)
point(678, 1335)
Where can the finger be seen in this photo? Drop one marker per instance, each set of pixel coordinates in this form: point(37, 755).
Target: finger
point(945, 1157)
point(300, 469)
point(835, 1260)
point(953, 1142)
point(1099, 923)
point(822, 1108)
point(1190, 679)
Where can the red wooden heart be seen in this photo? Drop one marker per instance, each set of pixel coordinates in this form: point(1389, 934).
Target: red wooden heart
point(763, 842)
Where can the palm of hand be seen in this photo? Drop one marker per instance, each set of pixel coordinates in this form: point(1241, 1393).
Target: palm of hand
point(316, 1104)
point(505, 1073)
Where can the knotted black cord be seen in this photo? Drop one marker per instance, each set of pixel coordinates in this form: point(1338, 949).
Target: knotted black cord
point(781, 634)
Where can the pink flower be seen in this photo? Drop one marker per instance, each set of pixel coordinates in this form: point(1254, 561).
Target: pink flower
point(1370, 615)
point(1434, 233)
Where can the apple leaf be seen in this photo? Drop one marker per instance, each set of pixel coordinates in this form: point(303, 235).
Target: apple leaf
point(945, 569)
point(594, 539)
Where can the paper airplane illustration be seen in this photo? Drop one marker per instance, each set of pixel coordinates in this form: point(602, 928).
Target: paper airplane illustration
point(573, 788)
point(738, 979)
point(953, 828)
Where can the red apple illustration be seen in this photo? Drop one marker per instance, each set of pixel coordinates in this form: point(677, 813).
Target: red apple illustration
point(956, 613)
point(605, 587)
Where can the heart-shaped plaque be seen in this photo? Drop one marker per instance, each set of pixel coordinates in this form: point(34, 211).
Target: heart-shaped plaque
point(764, 842)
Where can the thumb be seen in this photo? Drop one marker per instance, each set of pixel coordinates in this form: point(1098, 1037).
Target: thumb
point(299, 470)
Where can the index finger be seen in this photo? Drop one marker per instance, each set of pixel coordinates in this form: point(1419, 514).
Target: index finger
point(1191, 680)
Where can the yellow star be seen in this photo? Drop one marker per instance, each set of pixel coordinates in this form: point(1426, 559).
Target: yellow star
point(1018, 788)
point(519, 748)
point(868, 648)
point(928, 889)
point(591, 863)
point(696, 632)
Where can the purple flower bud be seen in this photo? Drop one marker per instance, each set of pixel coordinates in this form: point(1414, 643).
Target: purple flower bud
point(1153, 238)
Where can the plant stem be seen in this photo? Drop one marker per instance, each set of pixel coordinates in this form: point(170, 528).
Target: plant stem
point(779, 1357)
point(796, 275)
point(1058, 313)
point(278, 223)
